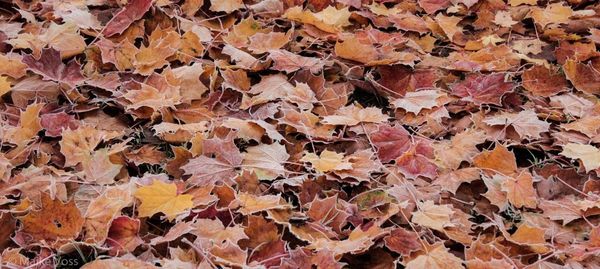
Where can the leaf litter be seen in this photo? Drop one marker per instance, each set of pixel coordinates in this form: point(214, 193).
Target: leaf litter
point(300, 134)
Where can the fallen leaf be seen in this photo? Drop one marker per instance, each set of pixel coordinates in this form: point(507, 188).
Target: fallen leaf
point(54, 220)
point(133, 11)
point(588, 155)
point(327, 161)
point(163, 198)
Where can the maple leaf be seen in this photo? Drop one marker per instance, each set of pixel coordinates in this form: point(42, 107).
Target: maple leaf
point(268, 89)
point(99, 169)
point(431, 6)
point(213, 230)
point(584, 77)
point(54, 123)
point(372, 55)
point(519, 190)
point(526, 123)
point(223, 167)
point(402, 241)
point(588, 154)
point(413, 164)
point(354, 115)
point(267, 42)
point(291, 62)
point(483, 89)
point(449, 25)
point(65, 38)
point(175, 232)
point(161, 197)
point(54, 221)
point(543, 81)
point(162, 44)
point(134, 10)
point(462, 147)
point(552, 14)
point(436, 258)
point(329, 20)
point(416, 101)
point(12, 66)
point(156, 93)
point(251, 204)
point(391, 142)
point(121, 54)
point(504, 19)
point(266, 160)
point(102, 209)
point(327, 161)
point(229, 254)
point(29, 126)
point(358, 241)
point(123, 235)
point(226, 6)
point(434, 216)
point(259, 231)
point(296, 133)
point(328, 212)
point(77, 145)
point(50, 66)
point(497, 160)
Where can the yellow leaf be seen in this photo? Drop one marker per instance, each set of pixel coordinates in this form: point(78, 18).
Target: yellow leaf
point(330, 20)
point(4, 85)
point(29, 126)
point(554, 13)
point(327, 161)
point(162, 197)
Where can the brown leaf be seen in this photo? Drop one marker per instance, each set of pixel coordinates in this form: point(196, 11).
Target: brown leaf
point(54, 221)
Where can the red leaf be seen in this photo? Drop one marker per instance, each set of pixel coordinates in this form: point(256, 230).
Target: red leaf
point(483, 89)
point(133, 11)
point(390, 142)
point(51, 67)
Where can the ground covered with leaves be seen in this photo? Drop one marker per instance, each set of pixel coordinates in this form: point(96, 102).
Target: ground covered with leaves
point(299, 134)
